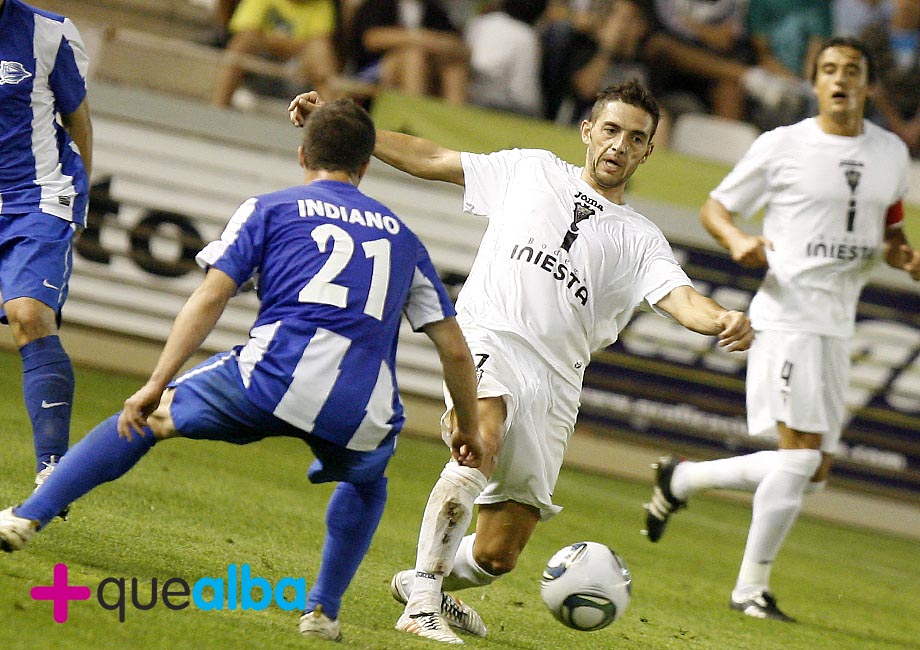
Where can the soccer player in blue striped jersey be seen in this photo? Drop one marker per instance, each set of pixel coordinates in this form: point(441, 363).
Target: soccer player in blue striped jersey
point(334, 270)
point(44, 187)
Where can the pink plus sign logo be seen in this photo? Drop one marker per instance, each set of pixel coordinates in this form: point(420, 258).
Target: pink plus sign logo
point(60, 593)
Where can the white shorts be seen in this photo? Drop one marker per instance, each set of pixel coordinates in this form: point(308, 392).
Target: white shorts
point(801, 380)
point(541, 412)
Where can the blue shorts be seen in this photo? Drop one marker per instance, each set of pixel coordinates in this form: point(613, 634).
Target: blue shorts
point(36, 259)
point(210, 403)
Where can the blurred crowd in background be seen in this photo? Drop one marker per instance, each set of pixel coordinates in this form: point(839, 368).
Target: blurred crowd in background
point(745, 60)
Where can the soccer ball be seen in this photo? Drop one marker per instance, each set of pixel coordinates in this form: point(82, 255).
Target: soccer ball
point(586, 586)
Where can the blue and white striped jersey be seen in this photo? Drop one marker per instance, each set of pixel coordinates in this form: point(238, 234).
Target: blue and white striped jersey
point(43, 65)
point(335, 270)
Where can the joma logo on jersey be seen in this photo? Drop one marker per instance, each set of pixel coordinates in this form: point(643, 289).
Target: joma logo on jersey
point(581, 212)
point(13, 72)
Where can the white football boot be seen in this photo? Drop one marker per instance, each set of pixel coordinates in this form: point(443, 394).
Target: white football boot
point(316, 624)
point(428, 625)
point(15, 531)
point(457, 613)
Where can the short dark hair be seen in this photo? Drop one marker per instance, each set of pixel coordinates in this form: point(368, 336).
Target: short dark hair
point(845, 41)
point(338, 136)
point(631, 92)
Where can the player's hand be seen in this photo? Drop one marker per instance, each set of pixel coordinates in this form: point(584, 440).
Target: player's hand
point(302, 105)
point(736, 334)
point(133, 417)
point(905, 258)
point(751, 251)
point(467, 449)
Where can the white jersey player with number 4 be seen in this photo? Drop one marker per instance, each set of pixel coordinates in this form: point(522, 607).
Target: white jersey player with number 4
point(832, 186)
point(828, 198)
point(563, 264)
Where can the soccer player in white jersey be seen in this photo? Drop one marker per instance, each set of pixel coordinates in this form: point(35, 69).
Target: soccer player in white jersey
point(44, 189)
point(335, 270)
point(832, 186)
point(561, 267)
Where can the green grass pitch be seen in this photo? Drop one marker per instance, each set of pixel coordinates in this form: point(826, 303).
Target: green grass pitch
point(191, 508)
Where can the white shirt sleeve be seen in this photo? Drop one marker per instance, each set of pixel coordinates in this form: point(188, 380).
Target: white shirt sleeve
point(485, 177)
point(745, 189)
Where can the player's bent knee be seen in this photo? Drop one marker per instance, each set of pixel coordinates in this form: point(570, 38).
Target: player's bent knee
point(160, 421)
point(803, 462)
point(497, 561)
point(30, 319)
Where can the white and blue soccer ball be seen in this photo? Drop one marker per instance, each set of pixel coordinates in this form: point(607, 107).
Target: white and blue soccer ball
point(586, 586)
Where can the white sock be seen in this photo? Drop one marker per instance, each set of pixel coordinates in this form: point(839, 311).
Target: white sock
point(467, 573)
point(447, 516)
point(734, 473)
point(776, 505)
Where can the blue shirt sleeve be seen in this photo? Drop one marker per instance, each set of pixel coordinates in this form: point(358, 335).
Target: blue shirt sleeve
point(67, 84)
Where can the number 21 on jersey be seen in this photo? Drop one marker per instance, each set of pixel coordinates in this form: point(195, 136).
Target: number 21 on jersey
point(322, 287)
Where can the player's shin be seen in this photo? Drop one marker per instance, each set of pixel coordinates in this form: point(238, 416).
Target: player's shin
point(776, 505)
point(447, 516)
point(352, 517)
point(101, 456)
point(47, 386)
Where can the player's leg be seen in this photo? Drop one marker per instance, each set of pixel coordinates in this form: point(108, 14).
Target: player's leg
point(352, 517)
point(207, 402)
point(502, 532)
point(47, 380)
point(809, 409)
point(764, 386)
point(34, 276)
point(677, 479)
point(447, 516)
point(101, 456)
point(776, 506)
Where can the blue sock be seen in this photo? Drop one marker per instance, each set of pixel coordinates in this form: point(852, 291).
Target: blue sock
point(351, 520)
point(100, 457)
point(47, 386)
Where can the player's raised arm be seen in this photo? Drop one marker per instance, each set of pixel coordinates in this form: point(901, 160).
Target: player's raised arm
point(700, 314)
point(417, 156)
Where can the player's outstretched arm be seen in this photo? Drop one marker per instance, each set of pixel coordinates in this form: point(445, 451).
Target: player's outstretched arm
point(417, 156)
point(194, 322)
point(460, 377)
point(700, 314)
point(747, 250)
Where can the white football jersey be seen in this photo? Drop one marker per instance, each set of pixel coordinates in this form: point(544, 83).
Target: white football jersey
point(826, 199)
point(559, 266)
